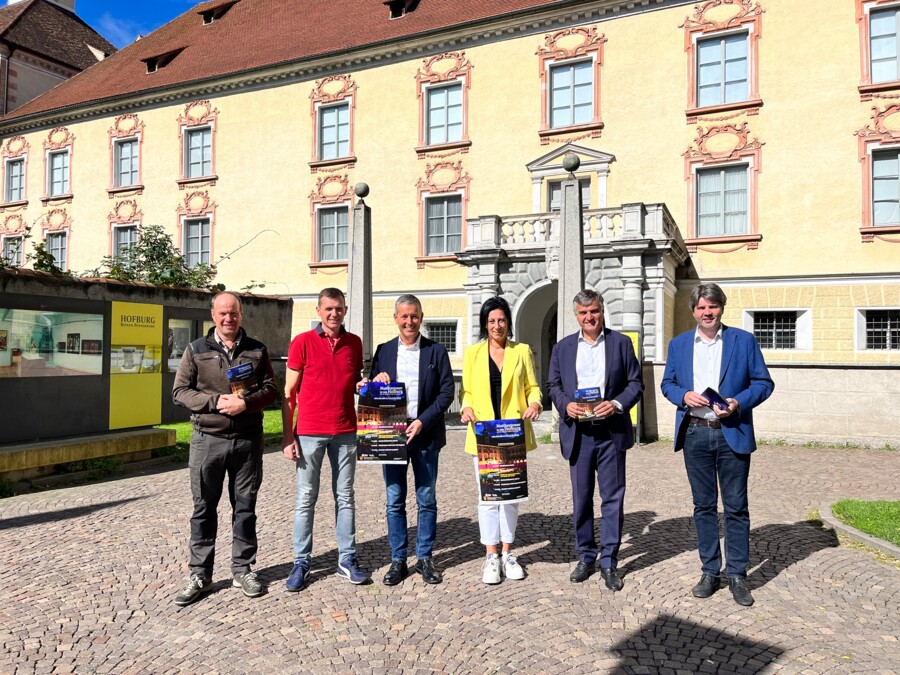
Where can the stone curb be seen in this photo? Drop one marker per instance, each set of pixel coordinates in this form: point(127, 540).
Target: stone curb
point(829, 519)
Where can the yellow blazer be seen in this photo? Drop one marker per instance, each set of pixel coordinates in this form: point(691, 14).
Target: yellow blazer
point(518, 387)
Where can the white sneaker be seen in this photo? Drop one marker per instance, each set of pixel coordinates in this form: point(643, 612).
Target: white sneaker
point(491, 569)
point(511, 568)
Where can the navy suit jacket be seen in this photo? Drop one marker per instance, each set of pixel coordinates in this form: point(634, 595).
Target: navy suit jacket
point(435, 385)
point(624, 383)
point(743, 377)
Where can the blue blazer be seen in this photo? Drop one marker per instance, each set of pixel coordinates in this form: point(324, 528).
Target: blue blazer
point(435, 385)
point(744, 377)
point(624, 383)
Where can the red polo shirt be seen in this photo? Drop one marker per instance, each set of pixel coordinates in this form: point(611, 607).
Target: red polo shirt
point(328, 377)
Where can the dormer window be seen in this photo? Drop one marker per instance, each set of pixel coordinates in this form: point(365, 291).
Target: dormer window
point(400, 8)
point(215, 13)
point(154, 63)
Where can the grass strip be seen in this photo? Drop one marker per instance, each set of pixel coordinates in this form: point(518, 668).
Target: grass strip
point(879, 518)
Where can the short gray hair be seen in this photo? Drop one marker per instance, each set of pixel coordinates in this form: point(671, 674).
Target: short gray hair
point(212, 303)
point(408, 299)
point(710, 293)
point(587, 297)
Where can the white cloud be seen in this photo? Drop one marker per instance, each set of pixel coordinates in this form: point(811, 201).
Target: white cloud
point(121, 32)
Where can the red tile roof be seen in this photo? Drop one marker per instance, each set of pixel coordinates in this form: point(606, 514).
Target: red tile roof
point(55, 33)
point(254, 34)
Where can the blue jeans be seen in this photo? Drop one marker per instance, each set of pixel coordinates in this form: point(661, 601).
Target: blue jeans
point(341, 451)
point(710, 463)
point(424, 462)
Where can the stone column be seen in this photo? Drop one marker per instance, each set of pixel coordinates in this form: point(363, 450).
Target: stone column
point(359, 286)
point(571, 249)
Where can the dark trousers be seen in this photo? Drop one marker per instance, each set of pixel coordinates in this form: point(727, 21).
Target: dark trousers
point(211, 459)
point(595, 454)
point(424, 461)
point(712, 465)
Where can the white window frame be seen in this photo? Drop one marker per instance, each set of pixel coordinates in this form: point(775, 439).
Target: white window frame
point(8, 196)
point(698, 39)
point(877, 150)
point(747, 165)
point(459, 85)
point(186, 235)
point(426, 199)
point(884, 10)
point(64, 237)
point(570, 63)
point(20, 249)
point(321, 109)
point(134, 171)
point(66, 182)
point(333, 208)
point(189, 132)
point(803, 326)
point(117, 229)
point(860, 330)
point(446, 319)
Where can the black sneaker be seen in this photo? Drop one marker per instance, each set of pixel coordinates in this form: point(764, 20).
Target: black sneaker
point(249, 584)
point(196, 586)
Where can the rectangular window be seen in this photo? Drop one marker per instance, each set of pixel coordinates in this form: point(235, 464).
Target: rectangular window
point(198, 153)
point(443, 332)
point(15, 181)
point(722, 70)
point(125, 171)
point(58, 173)
point(51, 344)
point(571, 94)
point(12, 251)
point(882, 328)
point(775, 330)
point(443, 225)
point(883, 47)
point(722, 202)
point(886, 187)
point(123, 239)
point(554, 194)
point(56, 246)
point(332, 234)
point(444, 117)
point(334, 131)
point(196, 241)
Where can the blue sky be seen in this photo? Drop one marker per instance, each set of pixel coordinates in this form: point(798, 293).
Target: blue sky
point(121, 22)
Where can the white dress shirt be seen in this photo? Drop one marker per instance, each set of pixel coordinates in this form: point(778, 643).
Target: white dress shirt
point(590, 363)
point(408, 374)
point(707, 368)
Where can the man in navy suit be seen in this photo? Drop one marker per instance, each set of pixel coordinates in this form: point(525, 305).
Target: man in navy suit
point(717, 441)
point(424, 367)
point(595, 440)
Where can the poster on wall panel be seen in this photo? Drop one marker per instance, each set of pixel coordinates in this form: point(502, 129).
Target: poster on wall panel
point(381, 424)
point(502, 467)
point(135, 365)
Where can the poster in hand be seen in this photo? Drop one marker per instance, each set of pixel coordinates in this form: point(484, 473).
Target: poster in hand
point(502, 467)
point(381, 424)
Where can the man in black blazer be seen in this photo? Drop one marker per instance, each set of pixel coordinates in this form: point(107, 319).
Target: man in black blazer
point(424, 367)
point(595, 440)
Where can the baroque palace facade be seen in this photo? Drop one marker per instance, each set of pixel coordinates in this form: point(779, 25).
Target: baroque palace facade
point(720, 141)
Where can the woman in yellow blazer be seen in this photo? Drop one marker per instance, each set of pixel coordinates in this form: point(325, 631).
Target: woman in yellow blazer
point(498, 383)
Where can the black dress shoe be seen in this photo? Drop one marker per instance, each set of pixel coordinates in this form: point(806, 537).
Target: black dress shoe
point(425, 567)
point(707, 585)
point(612, 578)
point(397, 573)
point(739, 591)
point(581, 572)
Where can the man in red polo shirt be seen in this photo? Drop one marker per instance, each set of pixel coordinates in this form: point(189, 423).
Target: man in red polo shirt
point(324, 365)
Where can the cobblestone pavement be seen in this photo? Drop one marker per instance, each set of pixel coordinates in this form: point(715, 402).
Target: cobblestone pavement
point(91, 571)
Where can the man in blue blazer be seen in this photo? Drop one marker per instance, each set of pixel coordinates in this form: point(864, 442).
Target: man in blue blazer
point(424, 367)
point(717, 439)
point(593, 437)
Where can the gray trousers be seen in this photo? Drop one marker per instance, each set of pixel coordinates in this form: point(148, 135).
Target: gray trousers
point(211, 459)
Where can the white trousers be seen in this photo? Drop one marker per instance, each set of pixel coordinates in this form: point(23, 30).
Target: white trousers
point(496, 522)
